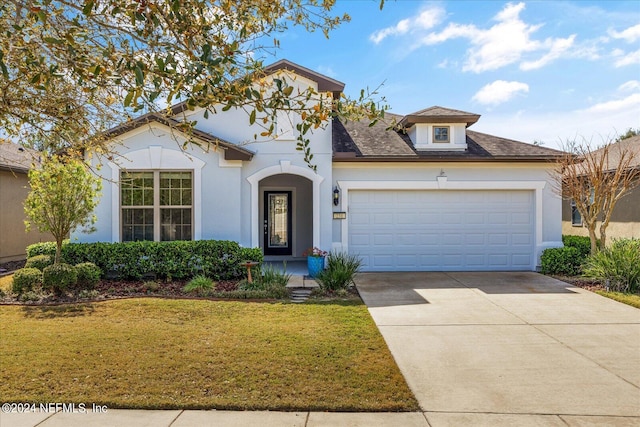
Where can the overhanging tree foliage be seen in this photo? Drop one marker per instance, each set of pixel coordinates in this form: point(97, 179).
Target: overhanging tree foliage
point(595, 180)
point(68, 66)
point(62, 198)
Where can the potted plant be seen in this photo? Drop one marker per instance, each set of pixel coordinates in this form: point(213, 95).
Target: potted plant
point(315, 260)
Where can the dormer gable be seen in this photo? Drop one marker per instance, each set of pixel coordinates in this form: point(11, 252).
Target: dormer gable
point(438, 129)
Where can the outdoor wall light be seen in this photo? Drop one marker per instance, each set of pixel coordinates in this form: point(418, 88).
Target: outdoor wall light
point(336, 196)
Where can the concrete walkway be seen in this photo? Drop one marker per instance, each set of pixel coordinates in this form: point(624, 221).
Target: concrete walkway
point(477, 349)
point(509, 348)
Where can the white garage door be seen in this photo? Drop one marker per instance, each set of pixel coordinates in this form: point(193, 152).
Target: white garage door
point(442, 230)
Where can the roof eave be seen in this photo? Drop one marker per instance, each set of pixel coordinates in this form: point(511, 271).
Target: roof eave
point(460, 159)
point(410, 120)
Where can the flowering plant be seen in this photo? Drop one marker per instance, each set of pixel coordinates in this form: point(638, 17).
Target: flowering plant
point(315, 252)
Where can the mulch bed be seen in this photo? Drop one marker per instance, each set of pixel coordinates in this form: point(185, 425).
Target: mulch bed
point(7, 267)
point(583, 282)
point(113, 289)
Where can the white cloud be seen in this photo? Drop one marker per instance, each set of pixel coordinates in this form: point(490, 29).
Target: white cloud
point(426, 20)
point(555, 128)
point(504, 43)
point(499, 92)
point(631, 102)
point(629, 86)
point(625, 59)
point(557, 49)
point(630, 35)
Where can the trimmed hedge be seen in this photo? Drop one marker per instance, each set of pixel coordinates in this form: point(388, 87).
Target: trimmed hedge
point(43, 248)
point(565, 261)
point(26, 279)
point(88, 275)
point(217, 259)
point(39, 262)
point(581, 243)
point(59, 277)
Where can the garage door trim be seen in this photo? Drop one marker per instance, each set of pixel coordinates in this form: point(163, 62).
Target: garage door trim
point(442, 183)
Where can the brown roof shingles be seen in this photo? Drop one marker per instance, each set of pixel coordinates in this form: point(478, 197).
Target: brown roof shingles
point(15, 158)
point(359, 141)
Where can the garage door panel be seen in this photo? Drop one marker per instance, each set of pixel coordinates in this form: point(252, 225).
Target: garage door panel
point(475, 239)
point(383, 219)
point(499, 218)
point(442, 230)
point(518, 239)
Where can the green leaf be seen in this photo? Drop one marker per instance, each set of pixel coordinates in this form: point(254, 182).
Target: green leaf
point(128, 98)
point(252, 117)
point(139, 75)
point(88, 5)
point(52, 40)
point(288, 90)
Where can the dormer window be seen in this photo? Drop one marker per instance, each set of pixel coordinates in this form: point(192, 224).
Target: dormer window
point(441, 134)
point(438, 129)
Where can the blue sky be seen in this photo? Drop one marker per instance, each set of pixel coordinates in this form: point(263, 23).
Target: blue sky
point(536, 71)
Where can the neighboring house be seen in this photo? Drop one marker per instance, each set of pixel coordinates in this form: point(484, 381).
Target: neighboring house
point(438, 197)
point(15, 163)
point(625, 219)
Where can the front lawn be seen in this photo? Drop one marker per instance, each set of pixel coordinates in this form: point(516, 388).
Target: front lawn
point(197, 354)
point(625, 298)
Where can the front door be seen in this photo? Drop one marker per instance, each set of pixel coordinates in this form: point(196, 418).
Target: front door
point(277, 223)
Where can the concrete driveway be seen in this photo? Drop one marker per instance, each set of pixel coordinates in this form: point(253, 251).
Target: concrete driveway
point(509, 348)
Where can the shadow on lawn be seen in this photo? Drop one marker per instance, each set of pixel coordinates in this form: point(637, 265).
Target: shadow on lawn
point(58, 311)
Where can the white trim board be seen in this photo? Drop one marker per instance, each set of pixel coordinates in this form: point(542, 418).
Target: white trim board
point(156, 157)
point(443, 184)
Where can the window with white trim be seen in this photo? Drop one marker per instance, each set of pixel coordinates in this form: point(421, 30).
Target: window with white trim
point(156, 205)
point(441, 134)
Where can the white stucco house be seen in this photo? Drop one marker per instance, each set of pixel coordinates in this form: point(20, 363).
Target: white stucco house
point(436, 197)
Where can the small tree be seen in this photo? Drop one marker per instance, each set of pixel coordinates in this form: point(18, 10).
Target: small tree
point(595, 180)
point(62, 198)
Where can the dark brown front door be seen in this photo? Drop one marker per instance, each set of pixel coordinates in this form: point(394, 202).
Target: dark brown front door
point(277, 223)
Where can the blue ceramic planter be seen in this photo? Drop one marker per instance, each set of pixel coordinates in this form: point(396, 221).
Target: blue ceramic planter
point(315, 264)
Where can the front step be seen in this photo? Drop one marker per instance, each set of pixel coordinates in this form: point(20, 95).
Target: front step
point(300, 294)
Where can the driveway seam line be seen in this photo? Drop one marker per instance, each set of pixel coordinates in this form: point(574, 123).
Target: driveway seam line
point(535, 326)
point(586, 357)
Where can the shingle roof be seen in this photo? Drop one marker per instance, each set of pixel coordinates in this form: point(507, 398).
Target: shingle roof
point(15, 158)
point(617, 148)
point(358, 141)
point(437, 114)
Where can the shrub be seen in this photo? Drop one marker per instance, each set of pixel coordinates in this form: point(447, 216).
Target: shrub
point(39, 262)
point(341, 268)
point(88, 275)
point(565, 261)
point(218, 259)
point(581, 243)
point(30, 296)
point(26, 279)
point(618, 264)
point(150, 286)
point(43, 248)
point(267, 276)
point(59, 277)
point(199, 284)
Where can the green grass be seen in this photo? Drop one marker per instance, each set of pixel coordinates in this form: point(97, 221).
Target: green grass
point(158, 353)
point(629, 299)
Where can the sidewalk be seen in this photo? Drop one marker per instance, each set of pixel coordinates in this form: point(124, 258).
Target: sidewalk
point(177, 418)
